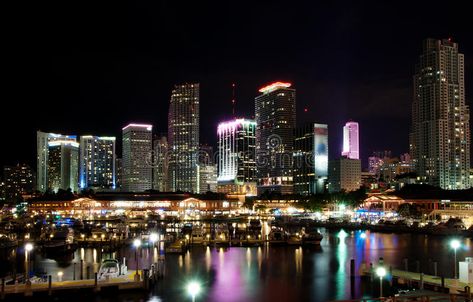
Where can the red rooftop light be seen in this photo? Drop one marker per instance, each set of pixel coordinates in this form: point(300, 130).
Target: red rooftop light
point(274, 86)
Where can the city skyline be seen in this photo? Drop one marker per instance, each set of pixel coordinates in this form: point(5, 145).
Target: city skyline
point(347, 69)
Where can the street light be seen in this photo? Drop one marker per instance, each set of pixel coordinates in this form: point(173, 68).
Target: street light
point(381, 272)
point(153, 238)
point(455, 244)
point(136, 244)
point(59, 276)
point(193, 288)
point(28, 249)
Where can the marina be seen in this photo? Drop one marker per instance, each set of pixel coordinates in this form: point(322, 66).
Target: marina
point(172, 252)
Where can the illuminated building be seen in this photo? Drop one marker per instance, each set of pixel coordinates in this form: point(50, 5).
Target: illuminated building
point(97, 162)
point(275, 113)
point(19, 180)
point(137, 158)
point(236, 156)
point(42, 158)
point(160, 164)
point(351, 143)
point(440, 137)
point(207, 178)
point(344, 175)
point(63, 165)
point(310, 159)
point(183, 136)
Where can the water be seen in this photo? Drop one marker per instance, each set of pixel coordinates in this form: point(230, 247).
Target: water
point(270, 273)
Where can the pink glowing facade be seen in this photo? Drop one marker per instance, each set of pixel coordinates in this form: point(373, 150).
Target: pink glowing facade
point(236, 152)
point(351, 141)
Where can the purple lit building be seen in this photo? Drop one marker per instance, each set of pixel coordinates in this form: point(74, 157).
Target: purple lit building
point(351, 142)
point(237, 157)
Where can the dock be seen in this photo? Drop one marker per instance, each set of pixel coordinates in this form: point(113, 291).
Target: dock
point(130, 281)
point(453, 285)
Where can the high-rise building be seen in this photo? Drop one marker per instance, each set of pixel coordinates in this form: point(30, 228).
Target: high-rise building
point(351, 143)
point(183, 136)
point(275, 113)
point(63, 165)
point(237, 156)
point(137, 158)
point(344, 175)
point(207, 178)
point(97, 162)
point(160, 167)
point(19, 180)
point(440, 130)
point(42, 140)
point(310, 159)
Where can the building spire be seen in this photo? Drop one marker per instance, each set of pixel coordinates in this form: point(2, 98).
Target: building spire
point(233, 100)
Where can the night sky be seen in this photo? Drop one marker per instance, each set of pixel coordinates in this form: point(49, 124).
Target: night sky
point(78, 69)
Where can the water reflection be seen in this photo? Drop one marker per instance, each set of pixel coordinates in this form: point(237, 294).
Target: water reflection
point(262, 273)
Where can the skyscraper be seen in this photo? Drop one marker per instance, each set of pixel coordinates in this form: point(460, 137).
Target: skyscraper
point(183, 136)
point(160, 167)
point(351, 143)
point(97, 162)
point(237, 156)
point(275, 113)
point(42, 140)
point(440, 130)
point(63, 165)
point(137, 158)
point(19, 180)
point(310, 159)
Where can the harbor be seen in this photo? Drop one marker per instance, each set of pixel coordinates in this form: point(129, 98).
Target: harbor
point(171, 253)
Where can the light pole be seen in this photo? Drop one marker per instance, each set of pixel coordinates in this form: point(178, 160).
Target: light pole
point(137, 244)
point(28, 249)
point(193, 289)
point(381, 272)
point(455, 244)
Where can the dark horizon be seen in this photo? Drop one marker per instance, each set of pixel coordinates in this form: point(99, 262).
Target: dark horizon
point(92, 70)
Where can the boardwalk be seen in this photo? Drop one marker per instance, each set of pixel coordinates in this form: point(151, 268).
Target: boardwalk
point(126, 282)
point(454, 285)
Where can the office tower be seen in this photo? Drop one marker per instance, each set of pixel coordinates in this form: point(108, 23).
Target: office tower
point(275, 113)
point(63, 165)
point(97, 162)
point(351, 144)
point(440, 130)
point(19, 180)
point(137, 158)
point(42, 157)
point(344, 175)
point(183, 136)
point(237, 156)
point(310, 159)
point(207, 178)
point(160, 167)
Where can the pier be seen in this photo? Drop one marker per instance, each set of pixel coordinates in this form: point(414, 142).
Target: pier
point(133, 280)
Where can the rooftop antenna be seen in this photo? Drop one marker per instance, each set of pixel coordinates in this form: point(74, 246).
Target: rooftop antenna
point(233, 99)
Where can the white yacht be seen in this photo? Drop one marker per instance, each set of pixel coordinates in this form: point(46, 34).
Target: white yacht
point(111, 268)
